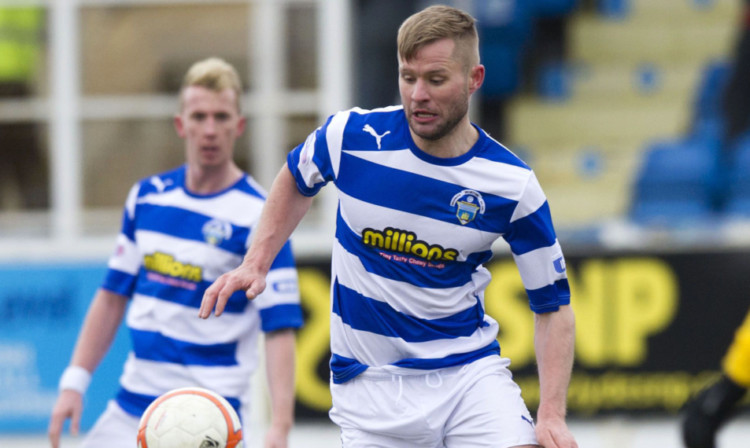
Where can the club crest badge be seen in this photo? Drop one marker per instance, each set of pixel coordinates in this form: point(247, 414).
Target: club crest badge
point(215, 231)
point(468, 204)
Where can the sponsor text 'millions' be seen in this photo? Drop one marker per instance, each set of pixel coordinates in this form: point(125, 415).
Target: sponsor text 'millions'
point(405, 242)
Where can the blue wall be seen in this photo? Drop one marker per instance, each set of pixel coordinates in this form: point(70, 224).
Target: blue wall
point(42, 307)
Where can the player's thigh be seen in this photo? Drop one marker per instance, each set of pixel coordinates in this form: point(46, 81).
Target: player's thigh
point(355, 438)
point(386, 413)
point(491, 413)
point(115, 428)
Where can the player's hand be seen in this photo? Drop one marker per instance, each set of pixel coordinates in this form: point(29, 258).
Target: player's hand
point(276, 437)
point(244, 277)
point(554, 433)
point(69, 405)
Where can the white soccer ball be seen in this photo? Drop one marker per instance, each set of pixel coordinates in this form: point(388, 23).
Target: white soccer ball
point(190, 417)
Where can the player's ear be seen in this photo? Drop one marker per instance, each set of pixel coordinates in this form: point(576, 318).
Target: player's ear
point(241, 125)
point(476, 78)
point(179, 125)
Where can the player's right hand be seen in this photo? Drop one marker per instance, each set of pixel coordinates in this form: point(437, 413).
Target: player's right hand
point(69, 405)
point(243, 278)
point(554, 433)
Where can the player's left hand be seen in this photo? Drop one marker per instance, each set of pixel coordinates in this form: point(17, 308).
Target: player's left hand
point(553, 432)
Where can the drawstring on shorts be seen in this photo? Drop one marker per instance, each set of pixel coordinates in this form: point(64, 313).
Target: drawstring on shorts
point(400, 386)
point(431, 379)
point(427, 379)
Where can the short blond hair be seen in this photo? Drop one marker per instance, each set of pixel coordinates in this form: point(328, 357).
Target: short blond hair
point(440, 22)
point(214, 74)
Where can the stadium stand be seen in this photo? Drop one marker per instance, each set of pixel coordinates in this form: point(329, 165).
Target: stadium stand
point(709, 154)
point(675, 184)
point(632, 71)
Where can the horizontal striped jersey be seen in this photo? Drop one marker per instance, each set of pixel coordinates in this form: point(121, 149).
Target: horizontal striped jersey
point(172, 246)
point(412, 234)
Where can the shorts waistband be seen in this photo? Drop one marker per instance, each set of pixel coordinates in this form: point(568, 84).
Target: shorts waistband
point(389, 372)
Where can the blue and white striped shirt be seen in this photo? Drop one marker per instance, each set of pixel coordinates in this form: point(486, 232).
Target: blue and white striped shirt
point(172, 246)
point(412, 234)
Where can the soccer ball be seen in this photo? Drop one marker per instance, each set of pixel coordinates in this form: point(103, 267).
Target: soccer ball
point(190, 417)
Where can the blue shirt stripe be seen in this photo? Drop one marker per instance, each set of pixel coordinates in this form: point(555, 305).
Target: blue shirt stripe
point(450, 360)
point(155, 346)
point(373, 183)
point(280, 317)
point(163, 219)
point(366, 314)
point(136, 404)
point(321, 159)
point(344, 369)
point(292, 161)
point(532, 232)
point(498, 153)
point(119, 282)
point(128, 226)
point(550, 297)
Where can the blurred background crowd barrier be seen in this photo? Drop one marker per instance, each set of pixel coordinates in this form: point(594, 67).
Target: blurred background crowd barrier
point(633, 113)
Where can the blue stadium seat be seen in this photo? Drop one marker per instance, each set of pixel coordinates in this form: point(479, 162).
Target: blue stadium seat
point(675, 185)
point(707, 99)
point(505, 28)
point(506, 21)
point(708, 132)
point(738, 181)
point(504, 62)
point(614, 9)
point(554, 81)
point(555, 8)
point(671, 213)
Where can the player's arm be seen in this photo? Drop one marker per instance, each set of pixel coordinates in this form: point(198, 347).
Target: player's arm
point(279, 346)
point(554, 339)
point(281, 214)
point(99, 328)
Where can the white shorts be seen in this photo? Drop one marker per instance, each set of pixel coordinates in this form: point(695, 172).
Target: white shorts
point(115, 428)
point(475, 405)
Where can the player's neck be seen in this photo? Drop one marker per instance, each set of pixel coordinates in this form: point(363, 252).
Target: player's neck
point(455, 144)
point(211, 179)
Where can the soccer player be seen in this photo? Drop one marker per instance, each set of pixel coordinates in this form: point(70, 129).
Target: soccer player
point(423, 194)
point(712, 407)
point(182, 229)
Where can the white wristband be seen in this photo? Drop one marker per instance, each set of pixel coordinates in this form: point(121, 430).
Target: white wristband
point(75, 378)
